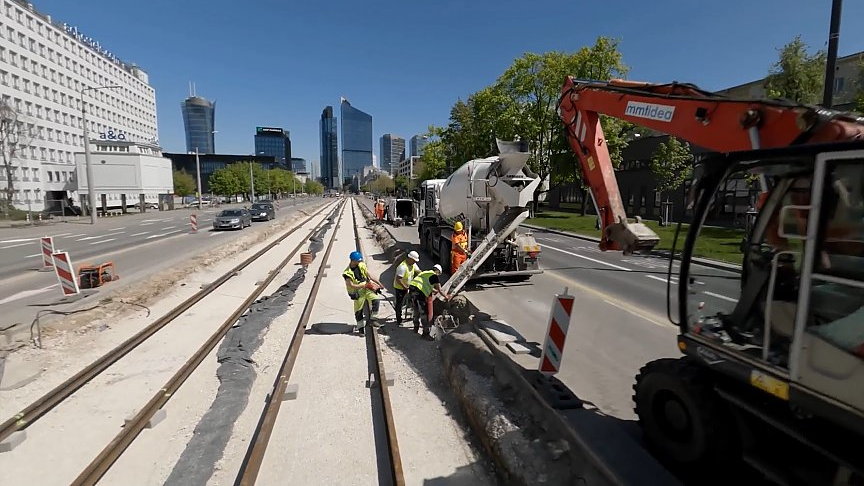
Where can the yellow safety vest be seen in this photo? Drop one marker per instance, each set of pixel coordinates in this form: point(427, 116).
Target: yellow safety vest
point(422, 283)
point(350, 274)
point(409, 274)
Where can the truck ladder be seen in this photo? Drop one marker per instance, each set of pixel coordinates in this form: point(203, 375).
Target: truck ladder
point(504, 226)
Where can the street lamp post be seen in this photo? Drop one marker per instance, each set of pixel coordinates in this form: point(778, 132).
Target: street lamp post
point(91, 193)
point(830, 65)
point(198, 176)
point(251, 182)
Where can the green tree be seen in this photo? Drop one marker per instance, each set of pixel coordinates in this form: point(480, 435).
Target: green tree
point(797, 75)
point(184, 184)
point(226, 182)
point(672, 164)
point(382, 184)
point(433, 162)
point(313, 187)
point(402, 183)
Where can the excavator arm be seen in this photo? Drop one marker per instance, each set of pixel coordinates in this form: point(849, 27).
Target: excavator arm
point(700, 117)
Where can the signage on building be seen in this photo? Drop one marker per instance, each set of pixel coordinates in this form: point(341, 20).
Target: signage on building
point(111, 135)
point(91, 43)
point(269, 130)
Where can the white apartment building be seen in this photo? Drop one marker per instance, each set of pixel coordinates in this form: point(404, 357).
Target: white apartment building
point(408, 167)
point(46, 68)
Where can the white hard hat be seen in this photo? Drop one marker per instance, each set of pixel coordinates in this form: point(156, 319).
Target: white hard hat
point(437, 268)
point(414, 256)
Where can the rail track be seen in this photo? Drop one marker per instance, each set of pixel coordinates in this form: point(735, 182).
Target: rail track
point(254, 458)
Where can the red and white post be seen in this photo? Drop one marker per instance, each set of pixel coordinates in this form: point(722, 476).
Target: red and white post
point(65, 275)
point(193, 223)
point(47, 243)
point(559, 323)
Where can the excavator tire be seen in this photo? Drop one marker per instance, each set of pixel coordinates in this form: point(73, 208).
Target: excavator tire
point(684, 421)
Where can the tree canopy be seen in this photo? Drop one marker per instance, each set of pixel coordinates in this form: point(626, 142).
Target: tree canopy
point(797, 75)
point(672, 164)
point(184, 184)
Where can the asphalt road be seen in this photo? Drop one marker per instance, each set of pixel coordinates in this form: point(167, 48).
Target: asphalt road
point(138, 244)
point(619, 322)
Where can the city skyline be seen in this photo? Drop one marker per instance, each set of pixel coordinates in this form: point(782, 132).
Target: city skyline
point(356, 136)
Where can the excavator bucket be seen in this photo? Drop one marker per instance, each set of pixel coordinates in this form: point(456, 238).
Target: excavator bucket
point(632, 236)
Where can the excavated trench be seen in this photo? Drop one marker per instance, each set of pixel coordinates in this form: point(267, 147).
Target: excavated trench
point(236, 374)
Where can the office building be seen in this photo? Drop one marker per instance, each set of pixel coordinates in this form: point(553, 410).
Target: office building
point(418, 142)
point(408, 167)
point(331, 174)
point(392, 153)
point(199, 118)
point(210, 163)
point(356, 141)
point(44, 67)
point(298, 165)
point(315, 170)
point(274, 142)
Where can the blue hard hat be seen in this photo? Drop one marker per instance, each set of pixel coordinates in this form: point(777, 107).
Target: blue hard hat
point(356, 256)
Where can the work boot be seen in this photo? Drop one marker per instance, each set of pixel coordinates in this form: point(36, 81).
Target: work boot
point(416, 328)
point(427, 337)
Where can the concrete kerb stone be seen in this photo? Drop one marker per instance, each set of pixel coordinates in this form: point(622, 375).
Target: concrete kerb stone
point(705, 262)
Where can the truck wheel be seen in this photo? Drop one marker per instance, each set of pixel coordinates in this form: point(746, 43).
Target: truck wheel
point(683, 419)
point(423, 245)
point(444, 254)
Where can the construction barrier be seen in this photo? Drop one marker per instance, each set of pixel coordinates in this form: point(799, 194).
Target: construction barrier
point(65, 275)
point(559, 323)
point(277, 205)
point(47, 251)
point(193, 221)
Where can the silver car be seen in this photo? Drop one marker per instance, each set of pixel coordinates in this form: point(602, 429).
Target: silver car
point(232, 219)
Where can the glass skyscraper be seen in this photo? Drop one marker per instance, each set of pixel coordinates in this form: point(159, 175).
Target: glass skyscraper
point(298, 165)
point(418, 143)
point(275, 142)
point(392, 153)
point(199, 119)
point(356, 141)
point(331, 176)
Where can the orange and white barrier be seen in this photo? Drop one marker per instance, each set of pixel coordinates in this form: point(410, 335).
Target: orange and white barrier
point(556, 335)
point(193, 222)
point(65, 275)
point(47, 251)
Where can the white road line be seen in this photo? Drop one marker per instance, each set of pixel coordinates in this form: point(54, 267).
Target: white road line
point(216, 233)
point(145, 224)
point(588, 258)
point(61, 234)
point(74, 235)
point(661, 279)
point(100, 236)
point(162, 234)
point(139, 234)
point(33, 256)
point(721, 297)
point(637, 314)
point(14, 246)
point(20, 240)
point(26, 293)
point(169, 227)
point(103, 241)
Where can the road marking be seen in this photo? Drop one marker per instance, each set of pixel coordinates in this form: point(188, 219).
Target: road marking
point(162, 234)
point(662, 279)
point(26, 293)
point(169, 227)
point(62, 234)
point(587, 258)
point(139, 234)
point(33, 256)
point(638, 314)
point(721, 297)
point(20, 240)
point(216, 233)
point(13, 246)
point(103, 241)
point(145, 224)
point(74, 235)
point(120, 228)
point(101, 236)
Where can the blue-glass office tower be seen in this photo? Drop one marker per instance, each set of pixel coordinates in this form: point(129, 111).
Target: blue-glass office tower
point(392, 153)
point(356, 141)
point(298, 165)
point(275, 142)
point(418, 143)
point(331, 175)
point(199, 119)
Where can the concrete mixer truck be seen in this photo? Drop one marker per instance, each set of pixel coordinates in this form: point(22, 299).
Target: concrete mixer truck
point(491, 197)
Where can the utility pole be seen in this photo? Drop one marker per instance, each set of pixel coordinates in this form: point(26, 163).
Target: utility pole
point(91, 193)
point(198, 175)
point(251, 182)
point(833, 41)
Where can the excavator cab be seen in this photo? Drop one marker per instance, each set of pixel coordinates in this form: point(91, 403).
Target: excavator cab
point(784, 339)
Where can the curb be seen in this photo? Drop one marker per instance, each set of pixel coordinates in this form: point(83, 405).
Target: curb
point(705, 262)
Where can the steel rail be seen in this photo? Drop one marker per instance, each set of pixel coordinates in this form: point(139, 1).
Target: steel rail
point(100, 465)
point(396, 473)
point(254, 457)
point(45, 403)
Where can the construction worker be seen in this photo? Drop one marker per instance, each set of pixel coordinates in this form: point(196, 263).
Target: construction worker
point(379, 210)
point(362, 289)
point(405, 273)
point(458, 247)
point(423, 288)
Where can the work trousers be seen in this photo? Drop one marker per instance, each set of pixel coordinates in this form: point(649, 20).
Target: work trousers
point(456, 260)
point(422, 309)
point(364, 296)
point(401, 295)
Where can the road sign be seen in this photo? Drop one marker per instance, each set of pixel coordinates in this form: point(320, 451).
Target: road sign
point(63, 270)
point(559, 323)
point(47, 251)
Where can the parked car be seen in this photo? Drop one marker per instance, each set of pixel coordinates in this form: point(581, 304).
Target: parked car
point(232, 219)
point(194, 203)
point(148, 205)
point(262, 211)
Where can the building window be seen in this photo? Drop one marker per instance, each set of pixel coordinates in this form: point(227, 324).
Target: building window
point(838, 85)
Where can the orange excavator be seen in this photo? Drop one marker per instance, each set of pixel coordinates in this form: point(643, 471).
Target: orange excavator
point(772, 377)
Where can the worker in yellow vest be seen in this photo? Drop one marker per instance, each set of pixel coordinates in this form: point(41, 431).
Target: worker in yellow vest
point(423, 288)
point(402, 281)
point(362, 288)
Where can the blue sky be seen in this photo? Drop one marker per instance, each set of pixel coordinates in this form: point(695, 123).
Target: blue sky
point(278, 62)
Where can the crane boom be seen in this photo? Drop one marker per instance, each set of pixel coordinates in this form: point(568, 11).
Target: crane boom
point(706, 119)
